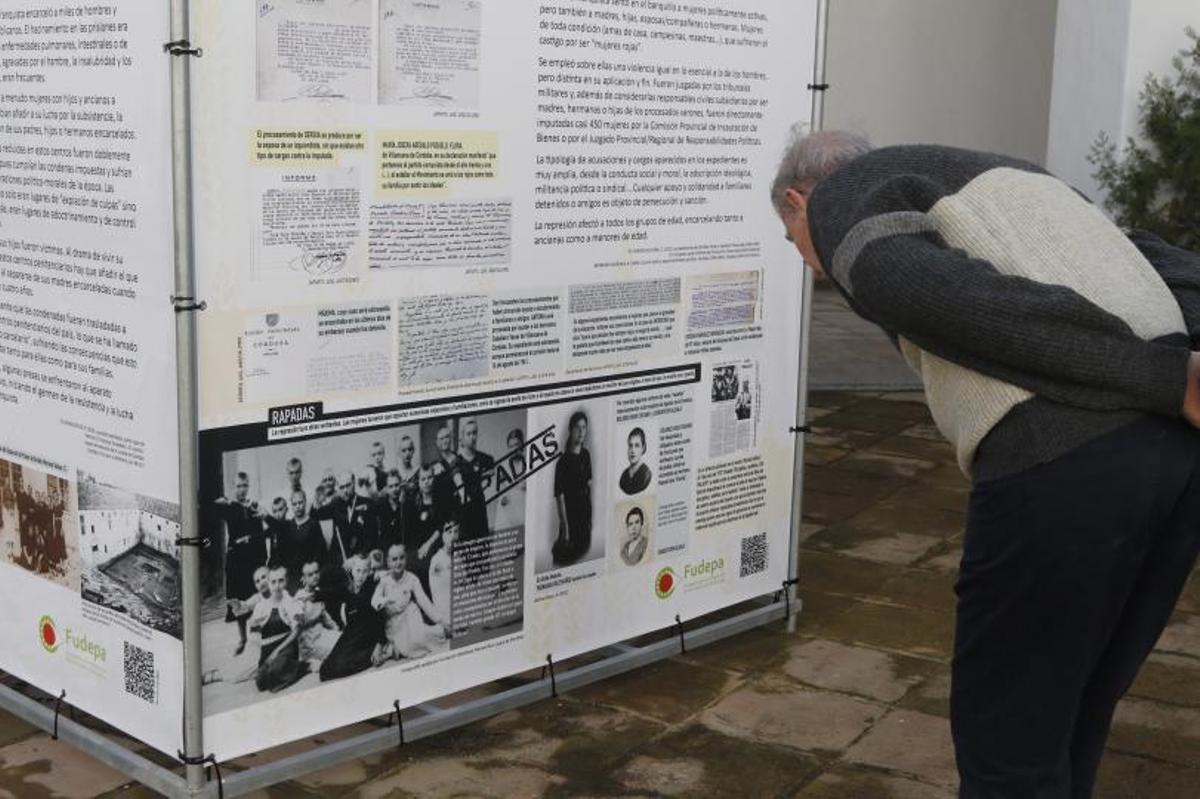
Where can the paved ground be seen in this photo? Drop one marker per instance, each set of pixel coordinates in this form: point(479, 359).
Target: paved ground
point(848, 353)
point(852, 706)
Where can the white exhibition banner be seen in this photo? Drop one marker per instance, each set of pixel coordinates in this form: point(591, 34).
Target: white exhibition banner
point(89, 570)
point(499, 359)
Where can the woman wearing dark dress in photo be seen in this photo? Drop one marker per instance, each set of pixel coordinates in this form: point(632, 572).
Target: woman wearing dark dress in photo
point(636, 477)
point(423, 527)
point(363, 633)
point(274, 618)
point(573, 495)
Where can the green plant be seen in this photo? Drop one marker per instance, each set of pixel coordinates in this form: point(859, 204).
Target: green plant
point(1156, 185)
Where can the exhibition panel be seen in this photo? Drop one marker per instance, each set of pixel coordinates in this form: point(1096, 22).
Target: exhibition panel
point(464, 328)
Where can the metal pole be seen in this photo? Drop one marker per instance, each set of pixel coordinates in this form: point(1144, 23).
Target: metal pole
point(818, 122)
point(818, 95)
point(185, 351)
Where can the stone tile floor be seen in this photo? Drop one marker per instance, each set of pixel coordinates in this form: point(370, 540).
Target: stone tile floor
point(849, 353)
point(852, 706)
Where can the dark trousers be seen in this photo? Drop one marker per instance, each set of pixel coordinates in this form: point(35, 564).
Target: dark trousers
point(1070, 571)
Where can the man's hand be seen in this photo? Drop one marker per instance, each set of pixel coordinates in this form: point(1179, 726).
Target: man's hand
point(1191, 399)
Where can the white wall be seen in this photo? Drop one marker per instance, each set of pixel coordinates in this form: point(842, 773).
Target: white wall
point(158, 533)
point(1090, 51)
point(1156, 35)
point(969, 73)
point(1104, 49)
point(104, 534)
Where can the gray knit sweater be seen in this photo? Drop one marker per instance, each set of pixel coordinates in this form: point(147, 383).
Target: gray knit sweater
point(1036, 325)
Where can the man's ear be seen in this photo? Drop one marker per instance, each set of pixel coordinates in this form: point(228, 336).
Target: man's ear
point(795, 200)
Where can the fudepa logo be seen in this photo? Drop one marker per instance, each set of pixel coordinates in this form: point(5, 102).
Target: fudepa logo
point(77, 645)
point(706, 570)
point(664, 582)
point(48, 634)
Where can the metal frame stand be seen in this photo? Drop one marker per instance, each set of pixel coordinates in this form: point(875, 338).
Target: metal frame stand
point(93, 743)
point(421, 721)
point(181, 53)
point(430, 718)
point(818, 87)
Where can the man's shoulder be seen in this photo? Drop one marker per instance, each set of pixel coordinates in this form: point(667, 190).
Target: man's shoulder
point(900, 178)
point(945, 168)
point(933, 156)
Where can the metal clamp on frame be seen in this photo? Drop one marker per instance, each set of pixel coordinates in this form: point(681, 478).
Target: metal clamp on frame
point(201, 542)
point(182, 47)
point(804, 428)
point(553, 681)
point(787, 597)
point(57, 713)
point(679, 629)
point(818, 87)
point(205, 760)
point(399, 719)
point(187, 304)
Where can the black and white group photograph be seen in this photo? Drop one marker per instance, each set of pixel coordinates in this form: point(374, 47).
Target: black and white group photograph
point(355, 552)
point(129, 554)
point(37, 523)
point(733, 420)
point(724, 383)
point(568, 502)
point(733, 384)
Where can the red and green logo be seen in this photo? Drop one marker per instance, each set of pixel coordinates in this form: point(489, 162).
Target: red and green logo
point(48, 634)
point(664, 583)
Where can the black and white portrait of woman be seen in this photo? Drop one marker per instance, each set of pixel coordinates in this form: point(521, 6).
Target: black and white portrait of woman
point(573, 493)
point(569, 497)
point(633, 531)
point(637, 475)
point(633, 547)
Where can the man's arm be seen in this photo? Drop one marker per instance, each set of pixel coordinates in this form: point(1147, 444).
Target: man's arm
point(258, 618)
point(1045, 338)
point(1180, 270)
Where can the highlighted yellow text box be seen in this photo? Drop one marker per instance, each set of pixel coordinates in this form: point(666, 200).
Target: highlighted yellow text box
point(427, 163)
point(304, 147)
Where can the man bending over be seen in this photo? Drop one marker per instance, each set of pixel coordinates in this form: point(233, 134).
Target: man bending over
point(1056, 354)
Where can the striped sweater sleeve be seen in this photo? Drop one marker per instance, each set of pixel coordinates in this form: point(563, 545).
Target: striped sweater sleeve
point(1048, 339)
point(1180, 270)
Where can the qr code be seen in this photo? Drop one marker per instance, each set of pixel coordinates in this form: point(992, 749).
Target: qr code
point(141, 678)
point(754, 554)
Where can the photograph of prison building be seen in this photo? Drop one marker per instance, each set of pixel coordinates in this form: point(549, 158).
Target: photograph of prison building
point(129, 554)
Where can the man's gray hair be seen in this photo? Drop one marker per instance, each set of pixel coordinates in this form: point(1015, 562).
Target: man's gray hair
point(810, 158)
